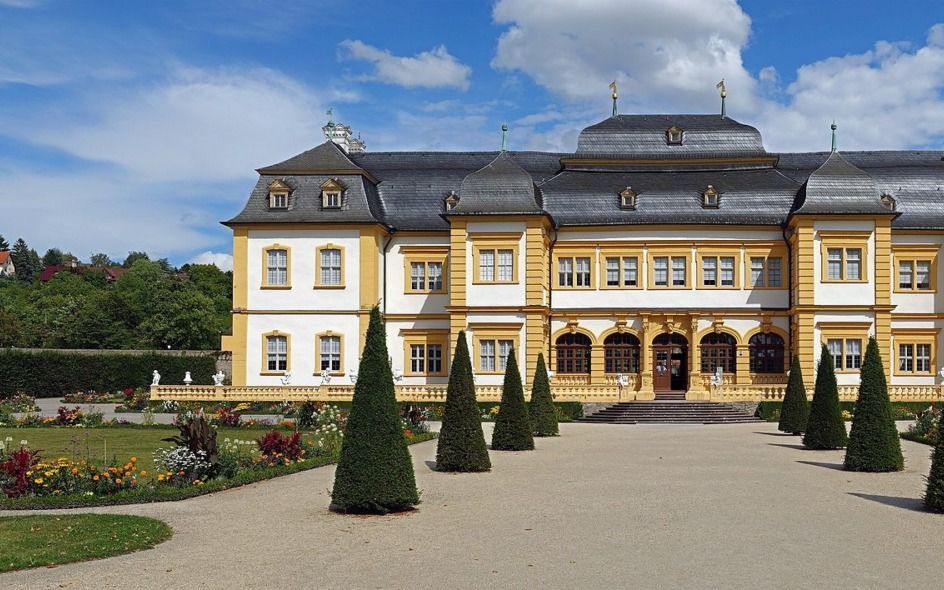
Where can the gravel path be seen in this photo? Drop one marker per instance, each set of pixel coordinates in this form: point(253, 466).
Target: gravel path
point(737, 506)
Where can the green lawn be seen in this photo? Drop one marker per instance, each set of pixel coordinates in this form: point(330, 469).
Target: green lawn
point(40, 540)
point(100, 445)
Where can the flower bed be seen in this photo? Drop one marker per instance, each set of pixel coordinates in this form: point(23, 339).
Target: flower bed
point(925, 428)
point(195, 465)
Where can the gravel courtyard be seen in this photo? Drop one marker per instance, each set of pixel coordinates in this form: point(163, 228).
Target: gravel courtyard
point(603, 506)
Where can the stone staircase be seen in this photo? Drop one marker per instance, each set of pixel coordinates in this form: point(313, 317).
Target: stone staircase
point(669, 412)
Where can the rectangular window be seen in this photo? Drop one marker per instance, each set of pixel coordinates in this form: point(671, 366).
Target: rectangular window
point(923, 275)
point(418, 276)
point(630, 271)
point(332, 200)
point(279, 201)
point(906, 275)
point(276, 353)
point(583, 272)
point(923, 358)
point(504, 347)
point(915, 274)
point(277, 267)
point(612, 272)
point(418, 358)
point(906, 358)
point(853, 354)
point(487, 265)
point(727, 271)
point(678, 271)
point(506, 266)
point(434, 354)
point(835, 350)
point(660, 271)
point(565, 272)
point(487, 356)
point(757, 272)
point(330, 353)
point(853, 264)
point(834, 264)
point(330, 266)
point(709, 271)
point(774, 272)
point(435, 276)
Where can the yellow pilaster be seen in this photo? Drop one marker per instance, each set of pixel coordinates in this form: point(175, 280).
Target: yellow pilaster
point(238, 341)
point(883, 285)
point(368, 278)
point(597, 376)
point(743, 364)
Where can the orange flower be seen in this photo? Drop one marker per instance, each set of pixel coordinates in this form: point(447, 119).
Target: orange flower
point(134, 459)
point(94, 478)
point(143, 473)
point(118, 481)
point(75, 471)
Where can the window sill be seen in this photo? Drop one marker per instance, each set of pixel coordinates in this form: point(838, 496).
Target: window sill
point(432, 374)
point(476, 282)
point(276, 287)
point(897, 374)
point(915, 291)
point(273, 373)
point(844, 281)
point(669, 288)
point(332, 374)
point(590, 288)
point(328, 286)
point(620, 288)
point(425, 293)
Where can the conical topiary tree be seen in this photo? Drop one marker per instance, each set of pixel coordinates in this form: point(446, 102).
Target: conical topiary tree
point(512, 427)
point(541, 409)
point(825, 428)
point(461, 442)
point(874, 443)
point(934, 496)
point(795, 409)
point(375, 471)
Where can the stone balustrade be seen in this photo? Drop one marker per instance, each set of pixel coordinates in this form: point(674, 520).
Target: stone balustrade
point(610, 392)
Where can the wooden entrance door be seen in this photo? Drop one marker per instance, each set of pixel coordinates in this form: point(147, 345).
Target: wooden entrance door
point(670, 363)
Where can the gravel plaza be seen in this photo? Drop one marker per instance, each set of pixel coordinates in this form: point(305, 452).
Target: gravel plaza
point(602, 506)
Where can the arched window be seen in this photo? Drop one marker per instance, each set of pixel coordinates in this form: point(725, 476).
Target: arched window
point(573, 353)
point(718, 350)
point(621, 353)
point(767, 352)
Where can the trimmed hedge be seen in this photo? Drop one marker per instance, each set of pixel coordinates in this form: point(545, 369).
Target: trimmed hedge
point(541, 409)
point(461, 441)
point(825, 428)
point(795, 410)
point(512, 426)
point(54, 373)
point(874, 444)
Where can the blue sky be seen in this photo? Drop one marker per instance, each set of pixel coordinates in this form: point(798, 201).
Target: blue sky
point(137, 125)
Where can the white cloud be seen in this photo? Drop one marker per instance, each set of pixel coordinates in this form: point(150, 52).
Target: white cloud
point(21, 3)
point(667, 56)
point(662, 52)
point(436, 68)
point(196, 124)
point(222, 260)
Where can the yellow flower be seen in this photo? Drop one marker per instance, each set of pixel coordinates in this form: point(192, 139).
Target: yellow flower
point(160, 477)
point(38, 480)
point(134, 459)
point(143, 473)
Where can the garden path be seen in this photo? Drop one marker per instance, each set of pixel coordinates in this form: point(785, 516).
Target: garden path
point(735, 506)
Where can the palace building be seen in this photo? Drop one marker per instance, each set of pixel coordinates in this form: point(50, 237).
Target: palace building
point(668, 256)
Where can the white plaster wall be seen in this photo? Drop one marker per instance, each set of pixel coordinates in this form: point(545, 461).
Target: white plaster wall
point(400, 358)
point(843, 293)
point(303, 295)
point(302, 329)
point(841, 378)
point(928, 324)
point(414, 303)
point(490, 295)
point(520, 353)
point(918, 302)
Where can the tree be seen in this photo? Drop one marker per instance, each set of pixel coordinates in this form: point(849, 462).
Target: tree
point(934, 495)
point(461, 444)
point(4, 245)
point(541, 409)
point(825, 428)
point(512, 427)
point(375, 471)
point(101, 259)
point(133, 257)
point(795, 409)
point(874, 443)
point(52, 257)
point(26, 267)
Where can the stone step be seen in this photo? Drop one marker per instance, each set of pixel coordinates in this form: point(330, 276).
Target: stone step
point(669, 412)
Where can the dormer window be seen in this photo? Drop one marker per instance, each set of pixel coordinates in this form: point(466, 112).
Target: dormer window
point(278, 195)
point(711, 198)
point(331, 192)
point(451, 200)
point(627, 198)
point(889, 201)
point(673, 135)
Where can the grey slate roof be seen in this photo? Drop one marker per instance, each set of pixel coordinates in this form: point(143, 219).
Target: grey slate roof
point(500, 187)
point(405, 190)
point(839, 188)
point(644, 137)
point(748, 197)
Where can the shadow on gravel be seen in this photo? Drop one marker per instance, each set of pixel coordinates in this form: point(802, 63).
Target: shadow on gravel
point(431, 465)
point(836, 466)
point(783, 434)
point(801, 447)
point(914, 504)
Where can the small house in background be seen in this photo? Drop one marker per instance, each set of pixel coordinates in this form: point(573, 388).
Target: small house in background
point(6, 264)
point(112, 273)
